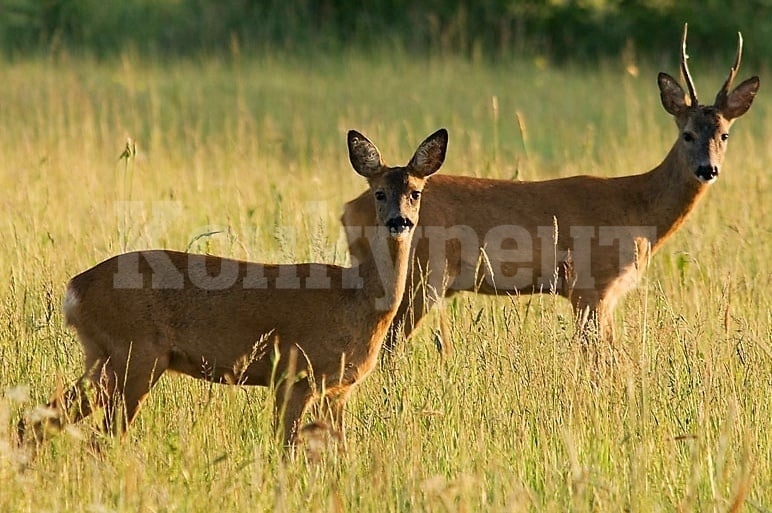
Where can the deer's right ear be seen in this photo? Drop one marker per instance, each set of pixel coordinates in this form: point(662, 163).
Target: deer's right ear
point(364, 156)
point(430, 154)
point(672, 95)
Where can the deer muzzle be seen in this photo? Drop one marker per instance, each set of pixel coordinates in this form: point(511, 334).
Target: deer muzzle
point(707, 173)
point(399, 226)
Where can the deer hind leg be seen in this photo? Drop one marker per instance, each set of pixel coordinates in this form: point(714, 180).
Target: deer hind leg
point(125, 382)
point(108, 382)
point(72, 405)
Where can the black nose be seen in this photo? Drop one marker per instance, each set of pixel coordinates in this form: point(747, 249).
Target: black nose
point(397, 225)
point(707, 173)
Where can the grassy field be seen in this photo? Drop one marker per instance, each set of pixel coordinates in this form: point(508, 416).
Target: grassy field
point(247, 158)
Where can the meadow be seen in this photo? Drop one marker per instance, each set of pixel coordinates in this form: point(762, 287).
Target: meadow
point(246, 157)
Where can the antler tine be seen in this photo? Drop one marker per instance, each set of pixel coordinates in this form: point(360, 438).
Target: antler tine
point(685, 70)
point(724, 92)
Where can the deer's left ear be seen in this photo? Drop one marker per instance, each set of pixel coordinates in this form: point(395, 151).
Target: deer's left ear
point(737, 103)
point(430, 154)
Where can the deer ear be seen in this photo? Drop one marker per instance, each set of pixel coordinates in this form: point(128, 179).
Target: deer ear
point(739, 101)
point(672, 95)
point(430, 154)
point(364, 155)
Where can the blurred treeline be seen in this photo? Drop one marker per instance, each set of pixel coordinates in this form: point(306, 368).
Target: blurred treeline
point(554, 29)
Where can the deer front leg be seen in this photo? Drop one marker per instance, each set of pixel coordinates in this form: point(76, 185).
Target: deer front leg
point(397, 329)
point(290, 404)
point(335, 411)
point(605, 319)
point(423, 292)
point(593, 316)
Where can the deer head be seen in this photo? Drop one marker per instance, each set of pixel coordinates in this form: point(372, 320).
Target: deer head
point(704, 129)
point(397, 190)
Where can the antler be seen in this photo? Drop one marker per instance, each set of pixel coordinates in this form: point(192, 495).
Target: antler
point(685, 70)
point(724, 92)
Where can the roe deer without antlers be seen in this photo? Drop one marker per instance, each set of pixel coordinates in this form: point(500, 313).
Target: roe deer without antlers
point(604, 226)
point(140, 314)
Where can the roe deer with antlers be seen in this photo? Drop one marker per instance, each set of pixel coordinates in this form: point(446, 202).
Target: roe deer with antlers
point(497, 236)
point(302, 328)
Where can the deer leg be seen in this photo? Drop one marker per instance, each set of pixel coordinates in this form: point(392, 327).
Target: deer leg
point(128, 381)
point(290, 404)
point(396, 330)
point(444, 339)
point(605, 319)
point(439, 286)
point(73, 405)
point(594, 316)
point(414, 307)
point(336, 411)
point(420, 297)
point(327, 432)
point(585, 316)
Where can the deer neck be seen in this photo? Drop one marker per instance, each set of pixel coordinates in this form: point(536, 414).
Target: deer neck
point(672, 195)
point(384, 274)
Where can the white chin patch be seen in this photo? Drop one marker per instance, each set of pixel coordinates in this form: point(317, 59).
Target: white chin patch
point(399, 234)
point(707, 181)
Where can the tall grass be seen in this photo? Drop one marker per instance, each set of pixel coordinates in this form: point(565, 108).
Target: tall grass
point(247, 158)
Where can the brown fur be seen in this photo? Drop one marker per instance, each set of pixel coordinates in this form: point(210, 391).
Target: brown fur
point(618, 222)
point(305, 328)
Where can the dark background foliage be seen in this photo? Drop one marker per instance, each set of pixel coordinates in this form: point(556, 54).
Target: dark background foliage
point(554, 29)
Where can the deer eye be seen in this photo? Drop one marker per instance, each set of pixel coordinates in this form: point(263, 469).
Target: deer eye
point(688, 137)
point(415, 195)
point(380, 195)
point(724, 136)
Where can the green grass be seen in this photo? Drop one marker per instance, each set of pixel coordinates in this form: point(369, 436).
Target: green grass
point(675, 417)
